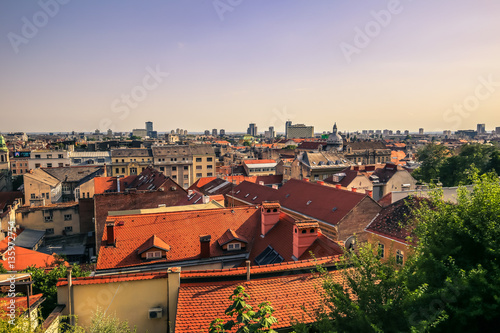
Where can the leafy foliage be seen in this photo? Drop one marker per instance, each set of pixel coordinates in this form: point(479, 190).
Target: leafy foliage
point(247, 320)
point(45, 280)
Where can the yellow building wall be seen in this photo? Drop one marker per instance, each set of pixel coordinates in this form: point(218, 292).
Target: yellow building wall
point(35, 220)
point(390, 246)
point(129, 301)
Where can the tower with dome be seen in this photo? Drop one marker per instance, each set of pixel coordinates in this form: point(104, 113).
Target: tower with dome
point(334, 141)
point(4, 154)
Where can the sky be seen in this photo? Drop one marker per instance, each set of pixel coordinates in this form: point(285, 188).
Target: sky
point(196, 65)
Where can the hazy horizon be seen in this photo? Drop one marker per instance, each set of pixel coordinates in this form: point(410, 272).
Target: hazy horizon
point(198, 65)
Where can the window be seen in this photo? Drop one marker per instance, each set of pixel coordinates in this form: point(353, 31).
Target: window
point(123, 161)
point(60, 156)
point(13, 165)
point(235, 246)
point(174, 177)
point(47, 195)
point(381, 250)
point(32, 195)
point(152, 255)
point(49, 231)
point(199, 167)
point(37, 165)
point(49, 155)
point(66, 188)
point(37, 156)
point(133, 171)
point(210, 166)
point(399, 257)
point(117, 170)
point(48, 218)
point(117, 161)
point(68, 229)
point(14, 172)
point(123, 170)
point(198, 159)
point(186, 167)
point(162, 169)
point(210, 174)
point(49, 165)
point(68, 217)
point(316, 177)
point(186, 176)
point(101, 160)
point(209, 159)
point(174, 168)
point(61, 165)
point(199, 175)
point(43, 195)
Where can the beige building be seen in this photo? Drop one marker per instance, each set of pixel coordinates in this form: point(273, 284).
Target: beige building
point(146, 300)
point(175, 162)
point(259, 167)
point(40, 188)
point(299, 131)
point(130, 161)
point(203, 161)
point(55, 219)
point(48, 159)
point(367, 152)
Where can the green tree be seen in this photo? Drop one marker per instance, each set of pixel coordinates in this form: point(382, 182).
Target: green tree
point(457, 259)
point(431, 156)
point(45, 280)
point(247, 320)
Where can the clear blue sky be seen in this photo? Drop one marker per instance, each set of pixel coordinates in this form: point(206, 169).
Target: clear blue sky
point(262, 61)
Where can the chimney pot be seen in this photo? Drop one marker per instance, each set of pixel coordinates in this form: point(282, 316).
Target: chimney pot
point(338, 186)
point(353, 189)
point(110, 232)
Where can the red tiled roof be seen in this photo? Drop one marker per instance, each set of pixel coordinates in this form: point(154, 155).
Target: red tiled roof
point(264, 269)
point(181, 230)
point(230, 235)
point(100, 279)
point(258, 161)
point(108, 184)
point(394, 221)
point(291, 296)
point(21, 304)
point(155, 242)
point(149, 179)
point(201, 182)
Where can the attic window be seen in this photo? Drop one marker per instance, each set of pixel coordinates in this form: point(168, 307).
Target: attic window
point(247, 195)
point(153, 255)
point(334, 209)
point(238, 191)
point(309, 202)
point(286, 196)
point(254, 197)
point(233, 247)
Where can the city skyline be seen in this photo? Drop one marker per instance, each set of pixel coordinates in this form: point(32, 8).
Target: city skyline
point(201, 65)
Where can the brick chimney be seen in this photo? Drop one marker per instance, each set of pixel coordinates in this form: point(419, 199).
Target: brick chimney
point(205, 246)
point(110, 233)
point(370, 193)
point(269, 216)
point(304, 234)
point(353, 189)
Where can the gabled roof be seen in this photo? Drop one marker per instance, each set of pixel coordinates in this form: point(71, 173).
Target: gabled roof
point(109, 184)
point(74, 174)
point(43, 177)
point(395, 220)
point(149, 179)
point(346, 177)
point(229, 236)
point(21, 304)
point(153, 242)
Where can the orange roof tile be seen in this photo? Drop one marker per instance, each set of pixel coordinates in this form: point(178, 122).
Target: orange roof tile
point(258, 161)
point(291, 296)
point(155, 242)
point(230, 235)
point(100, 279)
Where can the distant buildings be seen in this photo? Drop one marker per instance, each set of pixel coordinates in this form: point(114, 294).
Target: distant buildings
point(270, 134)
point(421, 131)
point(299, 131)
point(207, 132)
point(481, 128)
point(497, 130)
point(214, 132)
point(222, 132)
point(287, 124)
point(252, 129)
point(140, 132)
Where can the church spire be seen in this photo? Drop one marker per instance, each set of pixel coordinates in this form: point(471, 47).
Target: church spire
point(335, 128)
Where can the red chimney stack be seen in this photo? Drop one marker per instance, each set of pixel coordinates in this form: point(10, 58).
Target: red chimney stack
point(269, 216)
point(304, 234)
point(110, 233)
point(205, 246)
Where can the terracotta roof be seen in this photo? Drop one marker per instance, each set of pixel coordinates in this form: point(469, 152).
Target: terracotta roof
point(153, 242)
point(271, 205)
point(149, 179)
point(386, 200)
point(181, 230)
point(395, 220)
point(291, 296)
point(201, 182)
point(306, 224)
point(21, 304)
point(108, 184)
point(259, 161)
point(346, 180)
point(229, 236)
point(100, 279)
point(263, 269)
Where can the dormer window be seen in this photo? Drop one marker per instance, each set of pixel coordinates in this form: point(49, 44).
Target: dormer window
point(153, 255)
point(234, 246)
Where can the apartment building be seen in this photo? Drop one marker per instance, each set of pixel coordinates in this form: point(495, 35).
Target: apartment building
point(203, 161)
point(130, 161)
point(41, 188)
point(54, 219)
point(48, 159)
point(19, 161)
point(175, 162)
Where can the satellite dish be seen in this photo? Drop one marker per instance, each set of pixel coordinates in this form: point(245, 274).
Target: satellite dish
point(350, 243)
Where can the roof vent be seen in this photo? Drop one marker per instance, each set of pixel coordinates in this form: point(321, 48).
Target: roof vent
point(309, 202)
